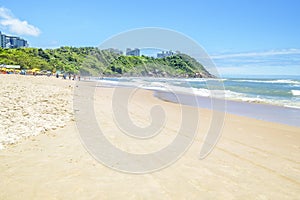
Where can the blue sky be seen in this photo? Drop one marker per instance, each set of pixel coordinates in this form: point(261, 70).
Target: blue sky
point(243, 37)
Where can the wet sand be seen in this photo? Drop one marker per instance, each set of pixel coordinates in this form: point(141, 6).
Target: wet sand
point(253, 160)
point(267, 112)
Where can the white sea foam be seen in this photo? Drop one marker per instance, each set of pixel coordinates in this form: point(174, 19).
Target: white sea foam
point(193, 80)
point(296, 92)
point(107, 82)
point(287, 81)
point(158, 86)
point(153, 88)
point(201, 92)
point(292, 106)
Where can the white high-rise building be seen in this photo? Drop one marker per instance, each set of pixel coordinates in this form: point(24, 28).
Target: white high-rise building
point(12, 41)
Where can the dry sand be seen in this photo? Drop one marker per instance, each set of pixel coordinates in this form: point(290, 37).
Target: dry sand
point(253, 160)
point(32, 105)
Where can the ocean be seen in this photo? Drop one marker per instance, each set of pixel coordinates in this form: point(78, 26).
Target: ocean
point(280, 92)
point(271, 99)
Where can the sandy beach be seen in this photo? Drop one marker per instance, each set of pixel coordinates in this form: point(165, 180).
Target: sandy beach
point(253, 159)
point(32, 105)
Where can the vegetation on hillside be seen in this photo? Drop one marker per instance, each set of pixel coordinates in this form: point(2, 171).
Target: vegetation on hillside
point(92, 61)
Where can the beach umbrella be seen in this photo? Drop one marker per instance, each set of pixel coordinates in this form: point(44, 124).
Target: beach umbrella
point(35, 70)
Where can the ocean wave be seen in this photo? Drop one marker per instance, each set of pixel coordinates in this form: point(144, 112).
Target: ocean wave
point(285, 81)
point(296, 92)
point(174, 86)
point(203, 79)
point(158, 86)
point(277, 102)
point(107, 82)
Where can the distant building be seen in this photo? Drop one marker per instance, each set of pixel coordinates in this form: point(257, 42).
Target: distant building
point(116, 51)
point(164, 54)
point(2, 40)
point(132, 52)
point(12, 41)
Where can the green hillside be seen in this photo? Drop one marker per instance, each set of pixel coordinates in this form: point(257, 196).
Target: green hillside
point(92, 61)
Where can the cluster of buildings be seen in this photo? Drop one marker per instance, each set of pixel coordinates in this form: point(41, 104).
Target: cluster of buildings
point(164, 54)
point(12, 41)
point(116, 51)
point(16, 42)
point(133, 52)
point(137, 52)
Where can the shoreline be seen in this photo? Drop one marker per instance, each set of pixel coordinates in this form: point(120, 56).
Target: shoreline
point(127, 82)
point(261, 111)
point(257, 110)
point(252, 160)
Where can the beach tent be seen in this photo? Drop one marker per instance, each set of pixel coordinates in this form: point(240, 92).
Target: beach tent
point(3, 70)
point(12, 66)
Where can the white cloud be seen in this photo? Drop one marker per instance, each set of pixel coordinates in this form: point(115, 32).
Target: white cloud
point(15, 25)
point(256, 54)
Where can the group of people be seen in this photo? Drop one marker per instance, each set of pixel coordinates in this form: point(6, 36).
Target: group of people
point(73, 77)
